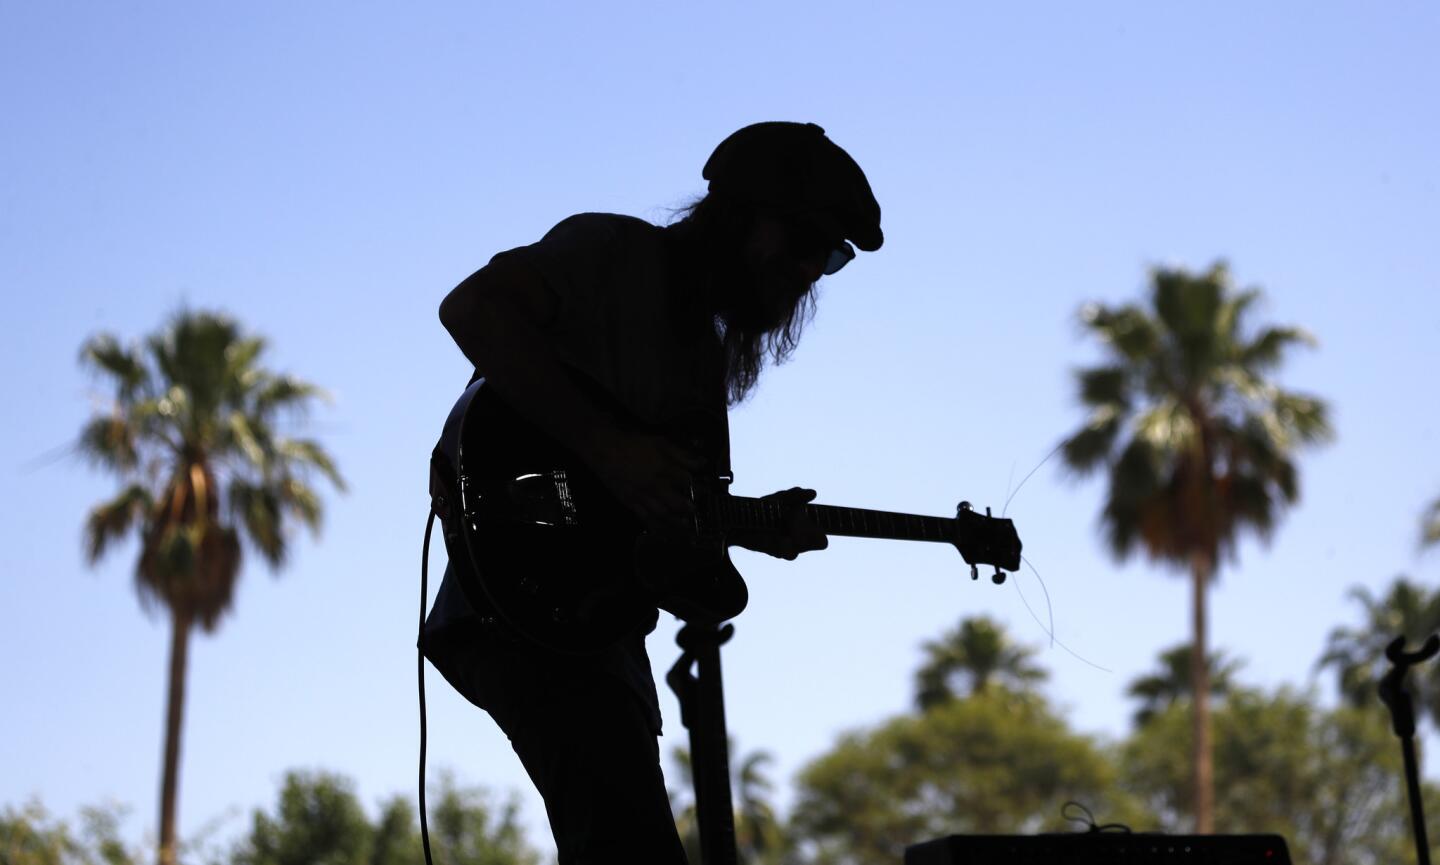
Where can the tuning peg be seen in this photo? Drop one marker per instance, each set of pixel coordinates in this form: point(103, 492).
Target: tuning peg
point(974, 572)
point(998, 577)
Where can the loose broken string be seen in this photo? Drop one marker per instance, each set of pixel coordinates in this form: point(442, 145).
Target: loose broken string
point(1049, 609)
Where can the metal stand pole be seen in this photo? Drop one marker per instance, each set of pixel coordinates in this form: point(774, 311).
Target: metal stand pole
point(702, 711)
point(1402, 720)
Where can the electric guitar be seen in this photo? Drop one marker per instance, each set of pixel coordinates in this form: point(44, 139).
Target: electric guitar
point(545, 550)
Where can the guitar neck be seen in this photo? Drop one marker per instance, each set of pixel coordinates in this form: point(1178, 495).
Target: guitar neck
point(741, 512)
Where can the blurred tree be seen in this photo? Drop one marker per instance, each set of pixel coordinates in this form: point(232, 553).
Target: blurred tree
point(977, 764)
point(319, 821)
point(1330, 782)
point(466, 829)
point(1197, 442)
point(1171, 683)
point(1358, 654)
point(29, 836)
point(396, 840)
point(969, 659)
point(1430, 525)
point(192, 434)
point(760, 837)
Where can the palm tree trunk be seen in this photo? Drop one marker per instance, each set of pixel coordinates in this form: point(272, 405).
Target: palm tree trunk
point(1203, 792)
point(174, 716)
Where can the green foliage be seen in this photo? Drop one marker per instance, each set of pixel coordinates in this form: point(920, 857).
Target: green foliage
point(396, 834)
point(1330, 782)
point(1171, 682)
point(194, 433)
point(1197, 441)
point(466, 829)
point(1430, 525)
point(319, 821)
point(760, 836)
point(983, 763)
point(972, 658)
point(29, 836)
point(1357, 654)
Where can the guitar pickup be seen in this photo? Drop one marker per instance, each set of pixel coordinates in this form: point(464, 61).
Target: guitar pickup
point(544, 498)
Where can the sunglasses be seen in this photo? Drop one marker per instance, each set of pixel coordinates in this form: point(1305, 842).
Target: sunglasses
point(807, 241)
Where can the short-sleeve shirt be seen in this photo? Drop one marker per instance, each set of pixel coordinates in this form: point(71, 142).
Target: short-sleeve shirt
point(623, 323)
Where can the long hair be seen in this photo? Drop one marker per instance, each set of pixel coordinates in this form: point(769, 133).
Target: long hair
point(722, 225)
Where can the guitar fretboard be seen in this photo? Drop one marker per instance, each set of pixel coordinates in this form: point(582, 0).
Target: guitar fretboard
point(749, 513)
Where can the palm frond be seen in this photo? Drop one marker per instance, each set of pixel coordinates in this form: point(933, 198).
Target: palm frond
point(1136, 483)
point(244, 435)
point(257, 507)
point(309, 453)
point(108, 441)
point(1168, 428)
point(301, 499)
point(1306, 417)
point(103, 353)
point(1234, 312)
point(1266, 351)
point(1189, 307)
point(109, 521)
point(286, 392)
point(1105, 387)
point(1127, 330)
point(1252, 452)
point(976, 653)
point(240, 357)
point(1172, 682)
point(1248, 501)
point(1090, 448)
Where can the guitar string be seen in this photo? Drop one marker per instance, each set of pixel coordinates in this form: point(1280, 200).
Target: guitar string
point(1054, 641)
point(1049, 609)
point(1027, 477)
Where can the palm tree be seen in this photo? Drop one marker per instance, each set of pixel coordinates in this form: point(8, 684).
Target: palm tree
point(759, 835)
point(1197, 441)
point(1171, 683)
point(977, 653)
point(1358, 654)
point(193, 435)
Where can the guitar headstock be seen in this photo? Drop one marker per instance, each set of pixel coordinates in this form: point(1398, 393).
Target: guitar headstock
point(986, 540)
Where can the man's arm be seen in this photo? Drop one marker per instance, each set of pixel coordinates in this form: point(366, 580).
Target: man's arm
point(498, 317)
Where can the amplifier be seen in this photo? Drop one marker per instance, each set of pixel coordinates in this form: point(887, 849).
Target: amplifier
point(1100, 848)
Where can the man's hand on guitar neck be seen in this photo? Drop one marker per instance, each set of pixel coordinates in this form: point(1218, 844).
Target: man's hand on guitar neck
point(798, 535)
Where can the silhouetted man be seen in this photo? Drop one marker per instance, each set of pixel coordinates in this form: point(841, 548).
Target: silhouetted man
point(662, 320)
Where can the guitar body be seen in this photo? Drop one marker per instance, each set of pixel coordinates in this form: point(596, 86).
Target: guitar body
point(539, 543)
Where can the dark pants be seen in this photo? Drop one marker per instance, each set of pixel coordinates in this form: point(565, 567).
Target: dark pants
point(586, 741)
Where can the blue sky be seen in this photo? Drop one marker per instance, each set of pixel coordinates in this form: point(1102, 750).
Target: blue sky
point(326, 172)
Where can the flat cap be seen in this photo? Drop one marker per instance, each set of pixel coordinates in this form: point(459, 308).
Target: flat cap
point(795, 167)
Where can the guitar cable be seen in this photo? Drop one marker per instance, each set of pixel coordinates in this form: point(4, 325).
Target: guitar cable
point(420, 675)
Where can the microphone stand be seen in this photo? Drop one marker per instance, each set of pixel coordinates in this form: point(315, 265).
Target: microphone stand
point(702, 711)
point(1402, 720)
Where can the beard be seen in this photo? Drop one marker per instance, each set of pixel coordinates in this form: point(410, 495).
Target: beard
point(758, 301)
